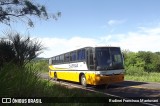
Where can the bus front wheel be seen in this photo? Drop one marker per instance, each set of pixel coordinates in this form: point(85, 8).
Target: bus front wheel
point(83, 80)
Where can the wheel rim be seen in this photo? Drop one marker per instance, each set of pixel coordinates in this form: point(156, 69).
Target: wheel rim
point(83, 81)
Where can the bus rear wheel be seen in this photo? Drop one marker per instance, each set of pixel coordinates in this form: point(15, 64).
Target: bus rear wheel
point(83, 81)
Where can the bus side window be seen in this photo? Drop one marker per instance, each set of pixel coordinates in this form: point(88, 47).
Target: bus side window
point(78, 54)
point(73, 56)
point(66, 57)
point(53, 60)
point(81, 54)
point(57, 59)
point(61, 58)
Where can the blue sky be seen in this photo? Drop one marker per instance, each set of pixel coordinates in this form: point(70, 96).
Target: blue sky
point(131, 24)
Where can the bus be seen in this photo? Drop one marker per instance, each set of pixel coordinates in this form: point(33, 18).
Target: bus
point(89, 66)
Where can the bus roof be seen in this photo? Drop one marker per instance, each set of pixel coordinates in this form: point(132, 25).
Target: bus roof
point(85, 48)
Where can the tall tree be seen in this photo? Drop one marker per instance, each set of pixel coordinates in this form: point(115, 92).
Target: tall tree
point(14, 10)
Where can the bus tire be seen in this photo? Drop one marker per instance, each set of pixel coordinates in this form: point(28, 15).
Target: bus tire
point(83, 81)
point(55, 76)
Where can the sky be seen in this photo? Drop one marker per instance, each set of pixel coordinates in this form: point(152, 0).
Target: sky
point(133, 25)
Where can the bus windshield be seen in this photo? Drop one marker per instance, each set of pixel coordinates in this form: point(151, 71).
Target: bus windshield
point(108, 58)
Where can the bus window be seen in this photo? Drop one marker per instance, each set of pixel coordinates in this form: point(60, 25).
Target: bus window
point(73, 56)
point(117, 59)
point(81, 54)
point(53, 60)
point(57, 59)
point(61, 58)
point(66, 57)
point(103, 60)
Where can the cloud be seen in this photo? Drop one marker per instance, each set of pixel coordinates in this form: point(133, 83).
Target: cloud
point(145, 39)
point(115, 22)
point(57, 46)
point(139, 42)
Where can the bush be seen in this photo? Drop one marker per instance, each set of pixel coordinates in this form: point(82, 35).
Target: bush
point(134, 70)
point(39, 65)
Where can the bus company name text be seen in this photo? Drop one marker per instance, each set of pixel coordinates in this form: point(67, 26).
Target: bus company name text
point(15, 100)
point(73, 65)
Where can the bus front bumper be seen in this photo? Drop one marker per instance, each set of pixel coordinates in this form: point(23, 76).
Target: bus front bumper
point(99, 80)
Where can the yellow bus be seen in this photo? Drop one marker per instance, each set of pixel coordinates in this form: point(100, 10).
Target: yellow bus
point(89, 66)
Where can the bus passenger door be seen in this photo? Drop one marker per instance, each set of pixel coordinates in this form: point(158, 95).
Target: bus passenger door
point(90, 76)
point(90, 60)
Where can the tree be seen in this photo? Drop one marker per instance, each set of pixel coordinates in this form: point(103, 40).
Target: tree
point(18, 49)
point(13, 10)
point(151, 60)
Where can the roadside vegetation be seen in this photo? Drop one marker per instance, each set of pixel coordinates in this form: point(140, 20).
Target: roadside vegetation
point(142, 66)
point(25, 82)
point(40, 65)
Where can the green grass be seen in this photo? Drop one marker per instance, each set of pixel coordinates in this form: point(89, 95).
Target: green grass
point(146, 77)
point(138, 74)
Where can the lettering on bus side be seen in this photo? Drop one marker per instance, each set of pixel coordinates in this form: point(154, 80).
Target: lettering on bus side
point(73, 65)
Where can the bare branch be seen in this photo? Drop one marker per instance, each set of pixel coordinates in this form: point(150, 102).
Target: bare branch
point(23, 8)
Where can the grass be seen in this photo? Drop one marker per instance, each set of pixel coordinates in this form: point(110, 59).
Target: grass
point(147, 77)
point(25, 82)
point(16, 81)
point(138, 74)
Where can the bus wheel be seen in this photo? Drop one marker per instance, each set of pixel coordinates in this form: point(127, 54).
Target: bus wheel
point(55, 76)
point(83, 80)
